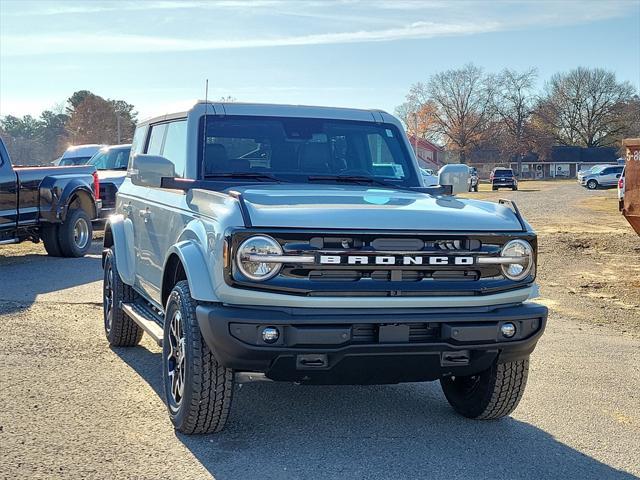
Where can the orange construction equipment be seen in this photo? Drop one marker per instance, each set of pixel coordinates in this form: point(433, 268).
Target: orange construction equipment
point(631, 206)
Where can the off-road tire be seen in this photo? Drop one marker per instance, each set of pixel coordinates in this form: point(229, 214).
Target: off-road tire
point(49, 236)
point(475, 189)
point(592, 185)
point(121, 331)
point(514, 188)
point(488, 395)
point(69, 245)
point(208, 387)
point(494, 188)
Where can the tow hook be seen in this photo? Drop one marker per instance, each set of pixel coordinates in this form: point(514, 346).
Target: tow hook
point(450, 359)
point(312, 360)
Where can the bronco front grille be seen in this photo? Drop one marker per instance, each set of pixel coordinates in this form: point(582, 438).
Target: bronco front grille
point(399, 274)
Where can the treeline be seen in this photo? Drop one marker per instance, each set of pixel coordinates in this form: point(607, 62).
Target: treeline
point(468, 109)
point(83, 118)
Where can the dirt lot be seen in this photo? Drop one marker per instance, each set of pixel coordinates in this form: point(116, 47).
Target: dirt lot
point(589, 255)
point(73, 408)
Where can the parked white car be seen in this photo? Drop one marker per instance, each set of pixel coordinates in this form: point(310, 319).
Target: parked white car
point(78, 154)
point(429, 177)
point(602, 177)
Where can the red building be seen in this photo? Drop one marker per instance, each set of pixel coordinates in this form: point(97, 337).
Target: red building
point(429, 154)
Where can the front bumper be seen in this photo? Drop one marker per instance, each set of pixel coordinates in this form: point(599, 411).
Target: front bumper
point(503, 183)
point(368, 346)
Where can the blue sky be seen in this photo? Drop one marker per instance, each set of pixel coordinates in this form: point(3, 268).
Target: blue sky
point(156, 54)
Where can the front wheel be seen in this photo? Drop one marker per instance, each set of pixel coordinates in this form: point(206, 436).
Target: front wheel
point(491, 394)
point(198, 390)
point(592, 184)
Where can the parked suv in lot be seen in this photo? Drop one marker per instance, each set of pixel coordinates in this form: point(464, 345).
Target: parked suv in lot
point(299, 244)
point(111, 162)
point(503, 178)
point(605, 176)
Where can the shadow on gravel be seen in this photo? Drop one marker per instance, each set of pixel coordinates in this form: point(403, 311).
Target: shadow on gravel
point(25, 277)
point(280, 430)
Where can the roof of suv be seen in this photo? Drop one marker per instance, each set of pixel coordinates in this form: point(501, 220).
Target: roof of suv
point(278, 110)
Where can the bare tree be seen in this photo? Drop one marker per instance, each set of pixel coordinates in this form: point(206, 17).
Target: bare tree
point(514, 103)
point(461, 100)
point(586, 107)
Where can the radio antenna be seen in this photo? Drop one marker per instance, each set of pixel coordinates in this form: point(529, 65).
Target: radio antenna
point(204, 126)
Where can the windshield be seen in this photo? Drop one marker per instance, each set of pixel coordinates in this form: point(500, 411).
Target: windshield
point(503, 173)
point(111, 159)
point(295, 149)
point(69, 161)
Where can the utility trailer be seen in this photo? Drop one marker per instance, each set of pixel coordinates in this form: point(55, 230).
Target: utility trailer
point(631, 202)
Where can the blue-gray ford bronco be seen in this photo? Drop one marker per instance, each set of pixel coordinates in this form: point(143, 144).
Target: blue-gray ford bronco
point(294, 243)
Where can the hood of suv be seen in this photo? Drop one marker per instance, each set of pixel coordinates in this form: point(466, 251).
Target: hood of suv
point(370, 208)
point(112, 176)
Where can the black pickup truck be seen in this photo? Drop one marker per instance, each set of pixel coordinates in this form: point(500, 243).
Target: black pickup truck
point(52, 204)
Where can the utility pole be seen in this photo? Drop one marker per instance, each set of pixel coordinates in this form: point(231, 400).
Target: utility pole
point(118, 127)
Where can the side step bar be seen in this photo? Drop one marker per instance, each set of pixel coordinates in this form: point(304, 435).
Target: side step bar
point(146, 318)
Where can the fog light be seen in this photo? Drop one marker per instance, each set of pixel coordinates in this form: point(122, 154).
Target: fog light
point(508, 330)
point(271, 334)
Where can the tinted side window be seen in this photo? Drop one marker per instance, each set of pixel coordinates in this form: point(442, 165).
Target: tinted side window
point(175, 146)
point(156, 139)
point(606, 171)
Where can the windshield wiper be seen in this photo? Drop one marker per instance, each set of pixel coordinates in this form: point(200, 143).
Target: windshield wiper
point(356, 179)
point(253, 175)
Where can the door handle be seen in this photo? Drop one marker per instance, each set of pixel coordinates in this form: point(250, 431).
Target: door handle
point(145, 214)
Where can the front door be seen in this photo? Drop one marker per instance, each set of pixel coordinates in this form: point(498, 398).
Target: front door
point(159, 214)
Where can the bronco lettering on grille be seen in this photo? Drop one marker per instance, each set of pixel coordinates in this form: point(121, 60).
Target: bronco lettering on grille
point(394, 260)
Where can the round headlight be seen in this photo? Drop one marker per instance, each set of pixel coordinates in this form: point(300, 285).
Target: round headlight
point(521, 251)
point(258, 245)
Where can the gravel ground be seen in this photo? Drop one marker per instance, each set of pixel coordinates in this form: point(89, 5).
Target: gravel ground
point(73, 408)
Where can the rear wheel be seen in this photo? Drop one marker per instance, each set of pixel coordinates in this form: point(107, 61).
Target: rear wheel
point(197, 389)
point(120, 330)
point(514, 188)
point(49, 236)
point(75, 234)
point(592, 184)
point(487, 395)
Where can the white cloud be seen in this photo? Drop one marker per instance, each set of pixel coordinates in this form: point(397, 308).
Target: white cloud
point(463, 18)
point(98, 42)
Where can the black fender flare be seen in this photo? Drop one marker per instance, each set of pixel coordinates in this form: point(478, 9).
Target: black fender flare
point(56, 193)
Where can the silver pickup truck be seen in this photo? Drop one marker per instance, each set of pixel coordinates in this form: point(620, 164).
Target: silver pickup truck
point(296, 243)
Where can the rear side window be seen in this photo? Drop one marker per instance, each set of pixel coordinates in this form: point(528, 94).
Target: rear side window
point(175, 146)
point(156, 139)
